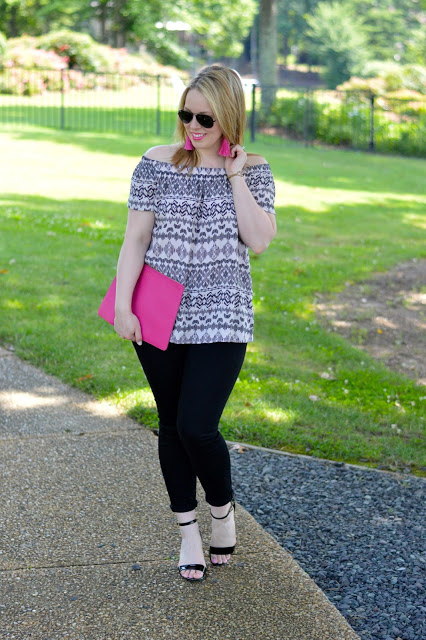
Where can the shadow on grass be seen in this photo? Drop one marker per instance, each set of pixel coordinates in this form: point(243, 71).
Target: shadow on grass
point(291, 162)
point(117, 144)
point(325, 168)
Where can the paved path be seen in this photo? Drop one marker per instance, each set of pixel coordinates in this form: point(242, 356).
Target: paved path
point(89, 546)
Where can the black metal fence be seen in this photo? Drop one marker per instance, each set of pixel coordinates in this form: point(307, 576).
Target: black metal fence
point(353, 119)
point(146, 105)
point(87, 101)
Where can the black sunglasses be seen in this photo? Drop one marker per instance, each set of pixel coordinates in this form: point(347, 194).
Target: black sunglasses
point(205, 121)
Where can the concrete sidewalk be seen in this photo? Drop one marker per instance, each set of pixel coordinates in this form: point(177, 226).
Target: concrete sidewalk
point(89, 547)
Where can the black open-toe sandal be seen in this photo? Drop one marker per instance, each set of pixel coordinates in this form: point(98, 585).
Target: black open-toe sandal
point(222, 550)
point(196, 567)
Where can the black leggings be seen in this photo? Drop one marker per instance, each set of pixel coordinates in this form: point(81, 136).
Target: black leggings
point(191, 384)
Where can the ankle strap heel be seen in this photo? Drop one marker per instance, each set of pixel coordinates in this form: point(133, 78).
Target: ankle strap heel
point(197, 567)
point(232, 506)
point(183, 524)
point(222, 550)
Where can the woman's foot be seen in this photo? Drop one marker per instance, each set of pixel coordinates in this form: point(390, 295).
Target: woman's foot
point(223, 532)
point(191, 551)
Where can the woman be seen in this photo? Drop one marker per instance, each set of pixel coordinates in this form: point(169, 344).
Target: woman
point(194, 209)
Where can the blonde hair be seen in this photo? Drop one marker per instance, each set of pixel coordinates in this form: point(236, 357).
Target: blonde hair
point(222, 88)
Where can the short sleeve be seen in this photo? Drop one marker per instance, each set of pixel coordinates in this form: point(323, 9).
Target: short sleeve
point(143, 186)
point(260, 181)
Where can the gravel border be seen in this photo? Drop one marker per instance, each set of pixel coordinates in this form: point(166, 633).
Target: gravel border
point(359, 534)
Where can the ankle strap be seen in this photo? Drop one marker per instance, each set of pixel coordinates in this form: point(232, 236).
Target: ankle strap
point(183, 524)
point(232, 506)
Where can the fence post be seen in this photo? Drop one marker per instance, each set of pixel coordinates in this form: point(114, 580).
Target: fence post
point(311, 118)
point(62, 110)
point(253, 113)
point(158, 129)
point(371, 144)
point(306, 102)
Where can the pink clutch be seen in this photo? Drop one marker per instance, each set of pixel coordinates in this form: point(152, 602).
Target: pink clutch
point(155, 302)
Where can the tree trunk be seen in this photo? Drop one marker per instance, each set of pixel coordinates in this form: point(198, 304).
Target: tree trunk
point(268, 52)
point(102, 20)
point(13, 22)
point(253, 49)
point(286, 50)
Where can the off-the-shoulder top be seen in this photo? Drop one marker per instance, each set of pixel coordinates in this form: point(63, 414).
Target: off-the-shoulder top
point(195, 241)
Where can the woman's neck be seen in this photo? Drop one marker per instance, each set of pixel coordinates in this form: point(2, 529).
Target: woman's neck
point(212, 160)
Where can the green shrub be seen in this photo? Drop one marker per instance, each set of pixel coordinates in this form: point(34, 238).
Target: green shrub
point(169, 53)
point(378, 68)
point(288, 113)
point(403, 138)
point(393, 80)
point(414, 77)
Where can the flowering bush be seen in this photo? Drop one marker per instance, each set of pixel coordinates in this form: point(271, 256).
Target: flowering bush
point(76, 80)
point(79, 49)
point(24, 41)
point(367, 85)
point(31, 58)
point(69, 60)
point(120, 61)
point(395, 76)
point(23, 82)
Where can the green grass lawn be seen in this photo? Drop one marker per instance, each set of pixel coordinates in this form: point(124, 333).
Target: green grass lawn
point(341, 217)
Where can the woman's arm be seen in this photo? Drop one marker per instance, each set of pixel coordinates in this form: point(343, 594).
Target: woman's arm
point(256, 226)
point(130, 263)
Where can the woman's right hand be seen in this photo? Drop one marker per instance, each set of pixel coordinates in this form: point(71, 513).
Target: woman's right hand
point(128, 327)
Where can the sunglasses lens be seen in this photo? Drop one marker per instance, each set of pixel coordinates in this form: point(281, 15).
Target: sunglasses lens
point(185, 116)
point(205, 121)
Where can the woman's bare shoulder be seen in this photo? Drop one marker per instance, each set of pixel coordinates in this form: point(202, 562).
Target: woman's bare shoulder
point(253, 159)
point(163, 152)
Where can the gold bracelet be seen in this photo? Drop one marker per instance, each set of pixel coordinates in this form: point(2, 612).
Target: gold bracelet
point(239, 173)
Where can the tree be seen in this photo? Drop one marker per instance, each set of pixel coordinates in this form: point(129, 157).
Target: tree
point(292, 24)
point(394, 29)
point(3, 42)
point(268, 51)
point(389, 26)
point(35, 17)
point(221, 26)
point(415, 51)
point(217, 26)
point(336, 36)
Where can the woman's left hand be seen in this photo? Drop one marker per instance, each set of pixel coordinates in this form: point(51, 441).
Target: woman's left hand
point(236, 161)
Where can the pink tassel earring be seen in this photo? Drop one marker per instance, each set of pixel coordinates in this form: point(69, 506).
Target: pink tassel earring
point(225, 149)
point(188, 144)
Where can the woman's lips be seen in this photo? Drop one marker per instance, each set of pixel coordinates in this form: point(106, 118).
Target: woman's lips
point(198, 136)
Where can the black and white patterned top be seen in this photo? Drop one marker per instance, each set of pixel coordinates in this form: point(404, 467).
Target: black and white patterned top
point(195, 241)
